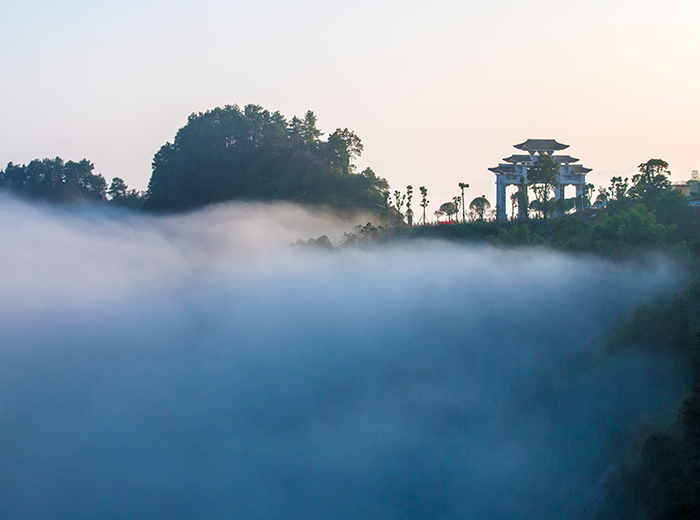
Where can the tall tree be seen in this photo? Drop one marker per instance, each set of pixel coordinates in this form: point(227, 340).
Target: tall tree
point(542, 178)
point(463, 186)
point(424, 200)
point(409, 211)
point(587, 195)
point(518, 201)
point(651, 179)
point(399, 200)
point(120, 195)
point(457, 200)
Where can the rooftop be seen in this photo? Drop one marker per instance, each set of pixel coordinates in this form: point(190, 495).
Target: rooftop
point(503, 168)
point(541, 145)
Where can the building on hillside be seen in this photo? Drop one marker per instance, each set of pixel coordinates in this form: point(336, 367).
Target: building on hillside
point(513, 172)
point(689, 189)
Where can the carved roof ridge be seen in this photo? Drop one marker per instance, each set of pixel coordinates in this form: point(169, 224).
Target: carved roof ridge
point(541, 145)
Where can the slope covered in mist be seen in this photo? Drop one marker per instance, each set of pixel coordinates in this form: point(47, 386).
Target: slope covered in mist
point(198, 367)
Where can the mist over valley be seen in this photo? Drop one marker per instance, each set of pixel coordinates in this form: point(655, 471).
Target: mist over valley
point(196, 365)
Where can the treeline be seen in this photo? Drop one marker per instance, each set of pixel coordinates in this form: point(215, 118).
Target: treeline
point(641, 216)
point(56, 181)
point(221, 155)
point(634, 217)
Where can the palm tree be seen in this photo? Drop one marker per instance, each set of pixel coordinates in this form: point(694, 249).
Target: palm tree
point(462, 186)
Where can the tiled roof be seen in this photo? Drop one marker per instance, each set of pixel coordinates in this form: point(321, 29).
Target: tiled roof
point(503, 168)
point(541, 145)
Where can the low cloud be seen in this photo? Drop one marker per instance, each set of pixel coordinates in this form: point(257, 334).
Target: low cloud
point(197, 366)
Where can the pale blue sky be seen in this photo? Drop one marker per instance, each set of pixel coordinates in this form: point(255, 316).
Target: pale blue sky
point(438, 91)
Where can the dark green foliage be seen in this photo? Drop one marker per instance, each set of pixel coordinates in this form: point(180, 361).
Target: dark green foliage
point(53, 180)
point(409, 211)
point(626, 232)
point(666, 326)
point(652, 188)
point(672, 208)
point(632, 230)
point(230, 154)
point(542, 178)
point(447, 209)
point(571, 233)
point(120, 195)
point(665, 480)
point(322, 242)
point(651, 180)
point(516, 236)
point(362, 235)
point(424, 200)
point(479, 206)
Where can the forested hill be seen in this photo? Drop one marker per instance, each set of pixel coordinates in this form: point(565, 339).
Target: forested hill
point(242, 154)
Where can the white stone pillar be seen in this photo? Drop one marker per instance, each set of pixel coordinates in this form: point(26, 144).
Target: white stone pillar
point(500, 201)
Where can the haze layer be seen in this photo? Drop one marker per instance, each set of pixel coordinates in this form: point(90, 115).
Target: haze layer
point(199, 367)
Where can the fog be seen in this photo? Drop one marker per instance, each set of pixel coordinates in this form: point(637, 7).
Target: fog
point(197, 366)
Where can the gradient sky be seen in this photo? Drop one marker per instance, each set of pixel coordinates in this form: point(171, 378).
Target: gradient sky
point(438, 91)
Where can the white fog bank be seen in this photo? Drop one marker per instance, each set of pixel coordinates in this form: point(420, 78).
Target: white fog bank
point(197, 366)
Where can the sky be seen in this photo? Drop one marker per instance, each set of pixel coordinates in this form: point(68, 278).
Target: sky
point(437, 91)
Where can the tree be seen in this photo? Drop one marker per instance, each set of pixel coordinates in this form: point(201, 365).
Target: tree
point(603, 195)
point(479, 206)
point(117, 189)
point(398, 204)
point(651, 179)
point(584, 200)
point(535, 208)
point(463, 186)
point(458, 203)
point(120, 195)
point(449, 209)
point(519, 202)
point(345, 146)
point(618, 188)
point(361, 235)
point(409, 211)
point(542, 178)
point(424, 200)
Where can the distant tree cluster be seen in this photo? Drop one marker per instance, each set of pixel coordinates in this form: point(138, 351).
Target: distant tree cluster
point(231, 153)
point(56, 181)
